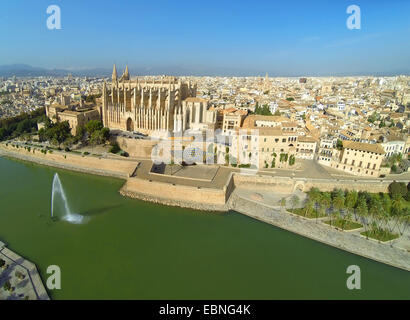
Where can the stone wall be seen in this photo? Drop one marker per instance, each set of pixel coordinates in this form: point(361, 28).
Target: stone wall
point(268, 183)
point(372, 186)
point(353, 243)
point(135, 147)
point(229, 187)
point(72, 161)
point(288, 185)
point(178, 195)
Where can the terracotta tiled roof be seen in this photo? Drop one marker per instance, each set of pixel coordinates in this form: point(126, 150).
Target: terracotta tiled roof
point(375, 147)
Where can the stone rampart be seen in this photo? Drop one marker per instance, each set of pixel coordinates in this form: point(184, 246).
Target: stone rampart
point(71, 161)
point(176, 195)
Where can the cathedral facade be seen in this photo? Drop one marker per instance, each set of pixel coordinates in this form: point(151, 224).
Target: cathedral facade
point(165, 104)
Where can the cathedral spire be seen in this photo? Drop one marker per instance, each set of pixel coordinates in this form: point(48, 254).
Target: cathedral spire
point(114, 74)
point(126, 73)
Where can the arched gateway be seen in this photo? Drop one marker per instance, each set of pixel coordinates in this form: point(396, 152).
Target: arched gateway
point(130, 125)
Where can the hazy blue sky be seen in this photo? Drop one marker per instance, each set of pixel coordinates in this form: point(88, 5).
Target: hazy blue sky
point(233, 37)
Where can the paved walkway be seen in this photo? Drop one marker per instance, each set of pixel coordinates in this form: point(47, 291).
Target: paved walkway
point(217, 181)
point(318, 231)
point(31, 287)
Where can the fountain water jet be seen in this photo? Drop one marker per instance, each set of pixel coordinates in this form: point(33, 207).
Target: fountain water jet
point(57, 190)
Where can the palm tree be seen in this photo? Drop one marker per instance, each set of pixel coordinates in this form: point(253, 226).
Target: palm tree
point(397, 204)
point(386, 203)
point(375, 209)
point(404, 219)
point(338, 203)
point(325, 201)
point(351, 200)
point(309, 207)
point(362, 212)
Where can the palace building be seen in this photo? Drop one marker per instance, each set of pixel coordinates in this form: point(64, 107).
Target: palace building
point(155, 105)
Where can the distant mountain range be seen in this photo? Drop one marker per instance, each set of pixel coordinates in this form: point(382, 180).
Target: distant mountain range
point(24, 70)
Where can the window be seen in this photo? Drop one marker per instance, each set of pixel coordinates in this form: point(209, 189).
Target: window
point(283, 140)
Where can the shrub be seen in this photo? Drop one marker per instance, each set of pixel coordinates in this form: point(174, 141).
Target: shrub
point(115, 148)
point(7, 286)
point(20, 275)
point(397, 188)
point(292, 160)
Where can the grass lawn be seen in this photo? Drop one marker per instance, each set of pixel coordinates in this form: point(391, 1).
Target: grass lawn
point(380, 234)
point(344, 224)
point(302, 212)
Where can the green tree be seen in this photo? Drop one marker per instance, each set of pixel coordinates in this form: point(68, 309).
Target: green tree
point(309, 207)
point(115, 148)
point(56, 133)
point(372, 118)
point(93, 125)
point(97, 137)
point(292, 160)
point(351, 200)
point(338, 203)
point(79, 136)
point(362, 210)
point(375, 208)
point(397, 204)
point(314, 194)
point(339, 144)
point(325, 201)
point(7, 286)
point(397, 188)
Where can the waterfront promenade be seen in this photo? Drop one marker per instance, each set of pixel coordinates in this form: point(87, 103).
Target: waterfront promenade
point(349, 241)
point(221, 189)
point(23, 277)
